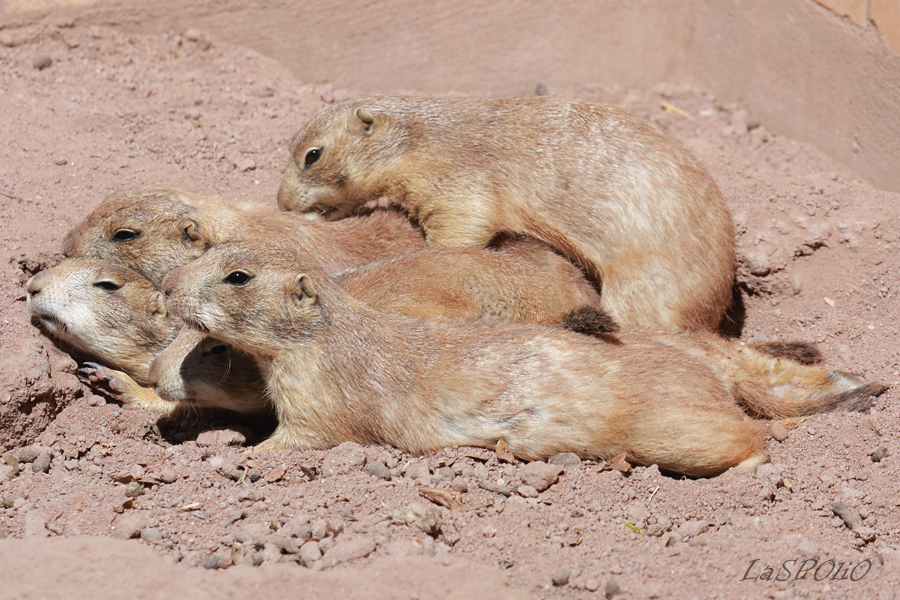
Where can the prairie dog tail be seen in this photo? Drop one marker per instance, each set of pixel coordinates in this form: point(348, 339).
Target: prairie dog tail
point(778, 385)
point(804, 353)
point(590, 321)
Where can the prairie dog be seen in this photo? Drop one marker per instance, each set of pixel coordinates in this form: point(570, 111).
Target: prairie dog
point(523, 282)
point(105, 310)
point(605, 188)
point(154, 230)
point(115, 315)
point(339, 370)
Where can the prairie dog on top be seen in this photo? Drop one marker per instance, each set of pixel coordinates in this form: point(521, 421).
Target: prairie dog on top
point(607, 189)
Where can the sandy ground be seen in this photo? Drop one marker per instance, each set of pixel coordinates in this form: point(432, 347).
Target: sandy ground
point(89, 110)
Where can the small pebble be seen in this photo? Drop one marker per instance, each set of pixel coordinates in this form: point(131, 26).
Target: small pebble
point(310, 552)
point(275, 474)
point(134, 489)
point(130, 526)
point(527, 491)
point(443, 474)
point(650, 472)
point(10, 501)
point(343, 552)
point(497, 489)
point(847, 514)
point(41, 464)
point(193, 35)
point(41, 62)
point(221, 437)
point(61, 162)
point(168, 475)
point(879, 455)
point(778, 431)
point(262, 92)
point(417, 470)
point(612, 588)
point(459, 484)
point(758, 263)
point(418, 515)
point(248, 493)
point(567, 460)
point(344, 458)
point(28, 455)
point(151, 535)
point(319, 529)
point(12, 460)
point(561, 577)
point(245, 164)
point(378, 469)
point(540, 475)
point(541, 90)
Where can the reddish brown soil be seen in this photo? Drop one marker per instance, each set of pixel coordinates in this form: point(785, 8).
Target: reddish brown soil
point(113, 110)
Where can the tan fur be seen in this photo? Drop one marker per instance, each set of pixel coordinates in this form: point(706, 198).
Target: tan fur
point(339, 370)
point(208, 374)
point(105, 310)
point(173, 227)
point(525, 281)
point(522, 282)
point(624, 200)
point(115, 315)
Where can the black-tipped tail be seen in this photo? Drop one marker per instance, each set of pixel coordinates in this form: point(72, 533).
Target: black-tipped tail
point(590, 321)
point(802, 352)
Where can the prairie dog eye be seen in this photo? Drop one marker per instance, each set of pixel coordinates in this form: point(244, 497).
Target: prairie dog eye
point(217, 349)
point(106, 284)
point(125, 235)
point(237, 278)
point(312, 155)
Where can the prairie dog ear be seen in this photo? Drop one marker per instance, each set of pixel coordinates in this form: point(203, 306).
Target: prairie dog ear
point(193, 233)
point(363, 122)
point(306, 291)
point(157, 305)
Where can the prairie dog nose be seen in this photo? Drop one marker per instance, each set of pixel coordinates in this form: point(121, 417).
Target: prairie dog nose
point(169, 282)
point(36, 283)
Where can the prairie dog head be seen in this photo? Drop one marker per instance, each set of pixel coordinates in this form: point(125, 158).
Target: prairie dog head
point(256, 297)
point(199, 371)
point(151, 230)
point(103, 309)
point(345, 156)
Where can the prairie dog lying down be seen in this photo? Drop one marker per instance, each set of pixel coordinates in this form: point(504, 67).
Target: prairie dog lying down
point(338, 370)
